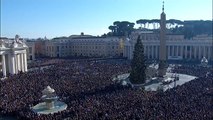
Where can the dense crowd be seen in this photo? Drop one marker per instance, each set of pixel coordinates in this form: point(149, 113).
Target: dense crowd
point(87, 88)
point(195, 70)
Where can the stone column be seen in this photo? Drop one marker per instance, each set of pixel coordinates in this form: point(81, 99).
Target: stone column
point(19, 62)
point(177, 52)
point(173, 51)
point(150, 47)
point(168, 51)
point(204, 51)
point(199, 52)
point(16, 64)
point(181, 51)
point(25, 62)
point(155, 56)
point(209, 53)
point(155, 47)
point(195, 52)
point(198, 47)
point(149, 57)
point(152, 52)
point(12, 63)
point(186, 52)
point(4, 66)
point(22, 62)
point(148, 51)
point(190, 52)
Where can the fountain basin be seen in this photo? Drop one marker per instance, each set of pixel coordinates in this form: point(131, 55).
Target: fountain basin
point(41, 108)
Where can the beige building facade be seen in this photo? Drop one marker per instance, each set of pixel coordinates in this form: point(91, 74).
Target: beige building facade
point(177, 48)
point(85, 46)
point(30, 50)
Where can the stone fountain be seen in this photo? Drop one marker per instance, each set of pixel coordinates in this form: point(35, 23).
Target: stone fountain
point(50, 103)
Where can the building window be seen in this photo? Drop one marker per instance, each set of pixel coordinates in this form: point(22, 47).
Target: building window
point(57, 48)
point(30, 50)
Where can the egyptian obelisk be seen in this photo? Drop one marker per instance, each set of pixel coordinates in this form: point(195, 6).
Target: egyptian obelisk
point(162, 54)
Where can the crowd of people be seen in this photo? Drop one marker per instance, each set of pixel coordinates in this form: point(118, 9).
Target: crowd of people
point(87, 88)
point(194, 70)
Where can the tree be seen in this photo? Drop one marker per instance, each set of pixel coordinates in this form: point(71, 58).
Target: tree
point(137, 75)
point(142, 22)
point(170, 23)
point(120, 28)
point(112, 28)
point(155, 23)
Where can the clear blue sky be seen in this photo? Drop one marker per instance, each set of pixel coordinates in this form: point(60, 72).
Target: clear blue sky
point(52, 18)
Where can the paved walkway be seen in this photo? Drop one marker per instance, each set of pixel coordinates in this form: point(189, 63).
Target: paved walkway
point(154, 84)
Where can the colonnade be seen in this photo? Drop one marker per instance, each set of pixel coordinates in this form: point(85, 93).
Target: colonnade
point(189, 52)
point(14, 63)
